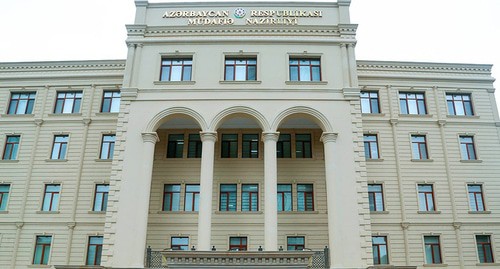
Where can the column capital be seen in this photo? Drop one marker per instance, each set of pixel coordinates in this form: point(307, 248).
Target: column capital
point(150, 137)
point(328, 137)
point(208, 136)
point(270, 136)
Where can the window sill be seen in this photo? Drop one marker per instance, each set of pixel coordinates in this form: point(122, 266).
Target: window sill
point(462, 117)
point(103, 160)
point(39, 266)
point(240, 82)
point(416, 115)
point(18, 115)
point(4, 212)
point(298, 212)
point(488, 264)
point(374, 160)
point(471, 161)
point(48, 212)
point(177, 212)
point(379, 212)
point(436, 265)
point(373, 114)
point(65, 115)
point(56, 160)
point(422, 160)
point(429, 212)
point(9, 161)
point(480, 212)
point(190, 82)
point(102, 114)
point(97, 212)
point(239, 212)
point(288, 82)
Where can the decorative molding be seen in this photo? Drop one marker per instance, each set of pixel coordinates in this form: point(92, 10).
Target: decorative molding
point(422, 66)
point(208, 136)
point(405, 225)
point(328, 137)
point(63, 65)
point(351, 93)
point(151, 137)
point(270, 136)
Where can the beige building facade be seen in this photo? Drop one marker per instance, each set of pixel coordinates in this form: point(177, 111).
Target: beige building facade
point(246, 134)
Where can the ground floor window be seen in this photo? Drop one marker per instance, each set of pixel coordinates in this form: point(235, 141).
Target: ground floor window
point(237, 243)
point(179, 243)
point(295, 243)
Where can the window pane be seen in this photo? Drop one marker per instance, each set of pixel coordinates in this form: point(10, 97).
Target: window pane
point(241, 73)
point(305, 73)
point(365, 106)
point(316, 74)
point(187, 73)
point(252, 73)
point(176, 73)
point(294, 73)
point(229, 72)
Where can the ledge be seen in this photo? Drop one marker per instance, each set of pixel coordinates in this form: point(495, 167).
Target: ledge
point(190, 82)
point(103, 160)
point(48, 212)
point(298, 212)
point(488, 264)
point(373, 114)
point(429, 212)
point(9, 161)
point(422, 160)
point(177, 212)
point(374, 160)
point(56, 160)
point(379, 212)
point(65, 114)
point(96, 212)
point(435, 265)
point(471, 161)
point(240, 82)
point(306, 82)
point(239, 212)
point(102, 114)
point(480, 212)
point(416, 115)
point(4, 212)
point(17, 115)
point(462, 117)
point(39, 266)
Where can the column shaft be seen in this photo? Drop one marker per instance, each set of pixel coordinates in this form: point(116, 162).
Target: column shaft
point(270, 190)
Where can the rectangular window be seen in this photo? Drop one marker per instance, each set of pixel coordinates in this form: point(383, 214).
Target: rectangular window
point(459, 104)
point(467, 148)
point(107, 147)
point(175, 145)
point(371, 146)
point(426, 198)
point(110, 102)
point(484, 249)
point(176, 69)
point(476, 199)
point(192, 197)
point(68, 102)
point(249, 197)
point(240, 69)
point(303, 146)
point(101, 197)
point(51, 197)
point(250, 146)
point(305, 69)
point(179, 243)
point(227, 200)
point(295, 243)
point(237, 243)
point(60, 147)
point(284, 146)
point(369, 102)
point(305, 197)
point(379, 247)
point(376, 197)
point(4, 196)
point(419, 147)
point(229, 146)
point(432, 250)
point(412, 103)
point(21, 103)
point(94, 250)
point(11, 147)
point(171, 197)
point(42, 249)
point(284, 197)
point(194, 146)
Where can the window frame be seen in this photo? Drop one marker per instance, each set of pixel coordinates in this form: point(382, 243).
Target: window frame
point(4, 197)
point(376, 142)
point(111, 99)
point(13, 147)
point(239, 247)
point(467, 144)
point(171, 58)
point(57, 194)
point(66, 143)
point(296, 247)
point(172, 197)
point(253, 145)
point(230, 144)
point(198, 146)
point(283, 198)
point(251, 195)
point(426, 194)
point(44, 250)
point(432, 249)
point(30, 101)
point(97, 251)
point(483, 200)
point(110, 146)
point(63, 106)
point(195, 199)
point(281, 146)
point(306, 193)
point(306, 146)
point(418, 145)
point(455, 94)
point(416, 100)
point(176, 145)
point(228, 194)
point(178, 247)
point(104, 199)
point(370, 99)
point(386, 244)
point(491, 248)
point(300, 58)
point(245, 58)
point(374, 195)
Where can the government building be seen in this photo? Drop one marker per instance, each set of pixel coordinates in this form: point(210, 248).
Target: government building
point(248, 135)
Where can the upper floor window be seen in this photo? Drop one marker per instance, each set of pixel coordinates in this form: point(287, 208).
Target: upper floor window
point(94, 250)
point(11, 147)
point(111, 101)
point(175, 146)
point(419, 147)
point(426, 197)
point(4, 196)
point(179, 243)
point(467, 148)
point(250, 146)
point(51, 197)
point(194, 146)
point(295, 243)
point(305, 197)
point(249, 197)
point(484, 249)
point(176, 69)
point(240, 69)
point(228, 200)
point(283, 146)
point(229, 146)
point(432, 250)
point(68, 102)
point(21, 103)
point(238, 243)
point(171, 197)
point(101, 197)
point(459, 104)
point(59, 147)
point(303, 146)
point(284, 197)
point(42, 249)
point(376, 197)
point(192, 197)
point(371, 146)
point(379, 247)
point(369, 102)
point(107, 146)
point(476, 199)
point(305, 69)
point(412, 103)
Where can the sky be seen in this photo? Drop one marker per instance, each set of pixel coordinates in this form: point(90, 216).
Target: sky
point(454, 31)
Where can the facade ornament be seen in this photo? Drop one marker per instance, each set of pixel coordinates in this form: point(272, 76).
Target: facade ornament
point(328, 137)
point(393, 122)
point(208, 136)
point(150, 137)
point(405, 225)
point(271, 136)
point(71, 225)
point(86, 121)
point(38, 122)
point(457, 225)
point(19, 225)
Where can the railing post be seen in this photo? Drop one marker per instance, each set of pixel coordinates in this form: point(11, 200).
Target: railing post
point(148, 257)
point(327, 257)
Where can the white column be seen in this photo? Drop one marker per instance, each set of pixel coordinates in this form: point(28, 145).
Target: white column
point(270, 190)
point(206, 189)
point(343, 218)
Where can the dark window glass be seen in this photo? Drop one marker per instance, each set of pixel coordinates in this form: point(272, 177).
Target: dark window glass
point(379, 247)
point(238, 243)
point(68, 102)
point(467, 148)
point(192, 199)
point(240, 69)
point(194, 146)
point(94, 250)
point(249, 197)
point(303, 146)
point(51, 197)
point(101, 197)
point(284, 197)
point(229, 146)
point(4, 196)
point(284, 146)
point(412, 103)
point(419, 147)
point(432, 250)
point(175, 146)
point(176, 69)
point(171, 197)
point(250, 146)
point(476, 199)
point(369, 102)
point(227, 200)
point(426, 198)
point(42, 249)
point(21, 103)
point(107, 146)
point(305, 197)
point(305, 69)
point(484, 249)
point(111, 101)
point(459, 104)
point(376, 197)
point(11, 147)
point(179, 243)
point(295, 243)
point(371, 147)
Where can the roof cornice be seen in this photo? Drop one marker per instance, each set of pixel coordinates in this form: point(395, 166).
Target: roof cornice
point(423, 67)
point(62, 65)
